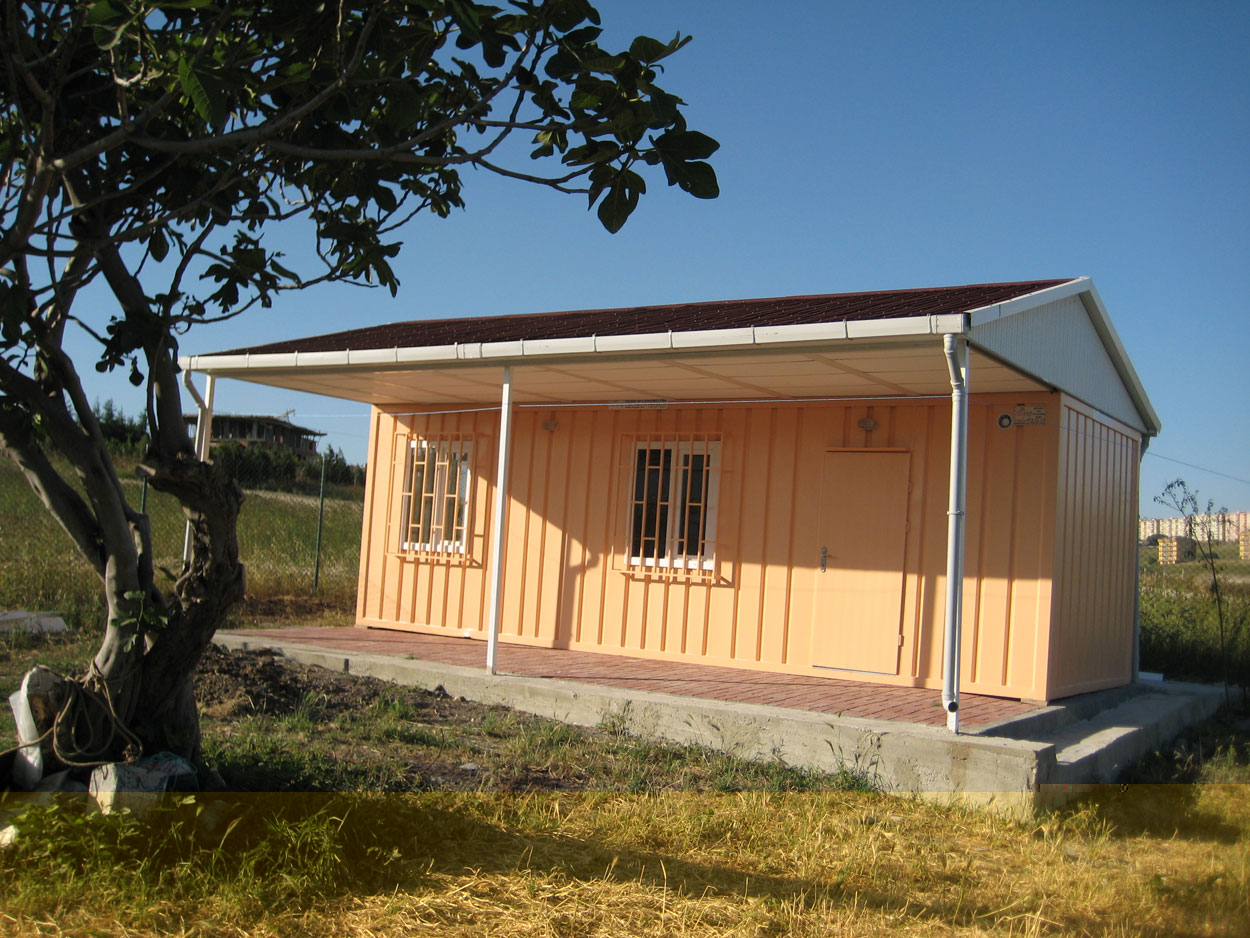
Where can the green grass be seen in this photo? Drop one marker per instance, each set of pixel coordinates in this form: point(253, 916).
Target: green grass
point(277, 539)
point(385, 748)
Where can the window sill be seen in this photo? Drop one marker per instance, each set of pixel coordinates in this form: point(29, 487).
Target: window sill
point(663, 571)
point(460, 558)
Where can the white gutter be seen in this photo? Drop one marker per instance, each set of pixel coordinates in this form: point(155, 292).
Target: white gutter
point(956, 349)
point(499, 527)
point(523, 349)
point(203, 436)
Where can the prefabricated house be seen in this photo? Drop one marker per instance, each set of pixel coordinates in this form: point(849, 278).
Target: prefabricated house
point(782, 484)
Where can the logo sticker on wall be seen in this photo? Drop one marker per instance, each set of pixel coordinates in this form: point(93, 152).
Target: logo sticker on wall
point(1024, 415)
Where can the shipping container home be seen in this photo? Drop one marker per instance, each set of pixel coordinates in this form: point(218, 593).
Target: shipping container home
point(784, 484)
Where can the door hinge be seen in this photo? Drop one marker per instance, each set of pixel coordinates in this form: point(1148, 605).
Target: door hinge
point(900, 641)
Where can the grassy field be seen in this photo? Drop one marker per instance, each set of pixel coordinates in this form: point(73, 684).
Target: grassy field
point(41, 570)
point(1148, 861)
point(1180, 626)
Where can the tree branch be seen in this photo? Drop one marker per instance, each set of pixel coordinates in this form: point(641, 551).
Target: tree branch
point(61, 499)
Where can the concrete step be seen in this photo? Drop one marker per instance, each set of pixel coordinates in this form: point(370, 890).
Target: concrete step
point(1099, 749)
point(1049, 720)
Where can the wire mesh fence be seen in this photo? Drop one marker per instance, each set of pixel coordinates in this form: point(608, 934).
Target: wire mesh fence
point(1195, 598)
point(297, 538)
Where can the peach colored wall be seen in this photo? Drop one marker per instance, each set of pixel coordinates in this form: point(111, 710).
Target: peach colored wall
point(1091, 644)
point(566, 583)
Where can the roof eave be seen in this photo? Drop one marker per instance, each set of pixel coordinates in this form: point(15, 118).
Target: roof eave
point(523, 350)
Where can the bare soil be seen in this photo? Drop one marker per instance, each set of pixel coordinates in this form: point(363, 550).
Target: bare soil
point(340, 731)
point(234, 684)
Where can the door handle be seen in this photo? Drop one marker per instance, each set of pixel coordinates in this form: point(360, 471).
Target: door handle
point(824, 559)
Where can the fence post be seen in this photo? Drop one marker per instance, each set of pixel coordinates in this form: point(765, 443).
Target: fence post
point(321, 511)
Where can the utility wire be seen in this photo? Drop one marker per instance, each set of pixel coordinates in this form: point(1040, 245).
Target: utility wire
point(1215, 472)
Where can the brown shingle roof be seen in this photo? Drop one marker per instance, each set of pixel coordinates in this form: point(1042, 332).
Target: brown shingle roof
point(679, 317)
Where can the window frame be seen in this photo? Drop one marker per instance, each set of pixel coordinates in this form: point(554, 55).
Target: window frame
point(684, 450)
point(444, 449)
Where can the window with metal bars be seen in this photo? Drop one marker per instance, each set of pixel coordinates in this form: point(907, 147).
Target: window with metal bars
point(434, 509)
point(673, 503)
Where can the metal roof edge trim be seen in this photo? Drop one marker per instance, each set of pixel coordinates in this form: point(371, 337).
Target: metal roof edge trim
point(541, 348)
point(1101, 320)
point(1020, 304)
point(1119, 357)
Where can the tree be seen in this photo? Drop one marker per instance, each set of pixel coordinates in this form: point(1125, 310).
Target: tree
point(151, 147)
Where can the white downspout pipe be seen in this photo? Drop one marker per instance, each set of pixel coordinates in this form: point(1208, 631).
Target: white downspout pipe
point(203, 436)
point(500, 521)
point(956, 348)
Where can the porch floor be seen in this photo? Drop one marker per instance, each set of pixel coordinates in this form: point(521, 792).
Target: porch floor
point(734, 685)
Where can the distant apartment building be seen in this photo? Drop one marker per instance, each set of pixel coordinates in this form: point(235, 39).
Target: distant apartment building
point(1223, 527)
point(260, 430)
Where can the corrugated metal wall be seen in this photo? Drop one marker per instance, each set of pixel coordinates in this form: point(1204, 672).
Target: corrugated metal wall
point(1095, 552)
point(567, 581)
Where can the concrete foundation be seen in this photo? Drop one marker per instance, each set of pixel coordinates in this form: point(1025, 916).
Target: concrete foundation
point(1016, 766)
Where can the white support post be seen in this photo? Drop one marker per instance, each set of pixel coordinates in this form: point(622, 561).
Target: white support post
point(956, 349)
point(203, 436)
point(500, 527)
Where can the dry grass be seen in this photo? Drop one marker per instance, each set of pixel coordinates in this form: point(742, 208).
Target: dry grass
point(1167, 860)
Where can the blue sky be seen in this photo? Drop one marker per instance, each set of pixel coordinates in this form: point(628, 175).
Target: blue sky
point(883, 145)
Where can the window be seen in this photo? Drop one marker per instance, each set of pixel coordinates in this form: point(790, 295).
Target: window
point(673, 503)
point(434, 510)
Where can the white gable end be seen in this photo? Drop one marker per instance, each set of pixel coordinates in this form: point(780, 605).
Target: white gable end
point(1058, 343)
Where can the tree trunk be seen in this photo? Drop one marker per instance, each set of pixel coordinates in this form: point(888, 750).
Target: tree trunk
point(139, 689)
point(166, 716)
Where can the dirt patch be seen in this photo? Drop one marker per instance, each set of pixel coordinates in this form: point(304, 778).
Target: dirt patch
point(231, 684)
point(282, 725)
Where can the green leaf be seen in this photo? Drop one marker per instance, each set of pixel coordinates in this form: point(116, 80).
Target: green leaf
point(700, 181)
point(561, 65)
point(102, 12)
point(686, 145)
point(567, 15)
point(283, 271)
point(606, 64)
point(598, 151)
point(581, 37)
point(205, 97)
point(584, 99)
point(384, 198)
point(617, 206)
point(648, 50)
point(465, 16)
point(404, 106)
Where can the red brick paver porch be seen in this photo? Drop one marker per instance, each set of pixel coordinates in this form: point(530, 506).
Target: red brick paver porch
point(800, 692)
